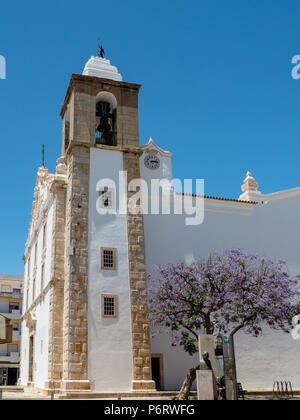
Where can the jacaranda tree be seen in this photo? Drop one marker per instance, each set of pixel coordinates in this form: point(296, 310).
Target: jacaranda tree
point(222, 294)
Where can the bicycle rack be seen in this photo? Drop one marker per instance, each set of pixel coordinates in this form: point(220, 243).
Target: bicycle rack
point(283, 390)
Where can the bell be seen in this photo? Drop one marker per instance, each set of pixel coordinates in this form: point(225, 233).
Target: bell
point(103, 112)
point(104, 126)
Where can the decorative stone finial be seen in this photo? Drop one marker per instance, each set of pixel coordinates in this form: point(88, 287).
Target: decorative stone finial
point(249, 183)
point(61, 168)
point(43, 172)
point(250, 189)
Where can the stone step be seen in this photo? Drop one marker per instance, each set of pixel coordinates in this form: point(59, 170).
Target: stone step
point(114, 396)
point(12, 389)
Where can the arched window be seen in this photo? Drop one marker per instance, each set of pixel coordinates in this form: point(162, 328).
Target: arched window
point(106, 118)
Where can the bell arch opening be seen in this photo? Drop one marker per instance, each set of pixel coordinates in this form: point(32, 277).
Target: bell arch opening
point(106, 119)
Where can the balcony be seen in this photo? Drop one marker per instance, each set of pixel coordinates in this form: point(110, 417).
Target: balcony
point(16, 294)
point(13, 314)
point(10, 357)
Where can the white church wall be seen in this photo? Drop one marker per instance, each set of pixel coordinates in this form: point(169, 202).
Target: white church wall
point(41, 340)
point(272, 230)
point(38, 261)
point(42, 310)
point(110, 353)
point(48, 246)
point(24, 357)
point(274, 356)
point(31, 270)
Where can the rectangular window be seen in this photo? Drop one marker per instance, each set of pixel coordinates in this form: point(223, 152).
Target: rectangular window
point(108, 259)
point(109, 306)
point(35, 254)
point(13, 306)
point(45, 236)
point(107, 199)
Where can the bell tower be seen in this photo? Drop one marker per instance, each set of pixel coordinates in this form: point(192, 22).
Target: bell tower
point(100, 140)
point(100, 108)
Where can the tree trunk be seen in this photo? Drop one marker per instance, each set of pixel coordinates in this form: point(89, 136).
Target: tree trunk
point(187, 384)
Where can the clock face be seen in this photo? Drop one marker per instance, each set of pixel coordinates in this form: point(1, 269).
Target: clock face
point(152, 162)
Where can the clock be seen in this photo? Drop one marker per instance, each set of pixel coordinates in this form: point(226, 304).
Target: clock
point(152, 162)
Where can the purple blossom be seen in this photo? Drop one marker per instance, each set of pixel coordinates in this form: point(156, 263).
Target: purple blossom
point(223, 293)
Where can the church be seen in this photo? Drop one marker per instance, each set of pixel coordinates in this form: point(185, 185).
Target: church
point(86, 264)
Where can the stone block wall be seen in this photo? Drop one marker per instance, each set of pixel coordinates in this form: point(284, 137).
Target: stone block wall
point(75, 323)
point(142, 373)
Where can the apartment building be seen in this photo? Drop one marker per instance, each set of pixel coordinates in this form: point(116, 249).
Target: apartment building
point(11, 288)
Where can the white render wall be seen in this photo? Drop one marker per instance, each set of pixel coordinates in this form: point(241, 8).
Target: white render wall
point(41, 338)
point(40, 356)
point(110, 352)
point(24, 357)
point(42, 310)
point(272, 230)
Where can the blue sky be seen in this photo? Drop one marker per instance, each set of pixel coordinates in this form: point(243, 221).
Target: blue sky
point(217, 90)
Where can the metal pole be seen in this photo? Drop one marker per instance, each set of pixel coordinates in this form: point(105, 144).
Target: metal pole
point(1, 394)
point(230, 369)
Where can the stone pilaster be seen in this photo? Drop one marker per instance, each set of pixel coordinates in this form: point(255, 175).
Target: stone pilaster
point(75, 322)
point(55, 349)
point(142, 375)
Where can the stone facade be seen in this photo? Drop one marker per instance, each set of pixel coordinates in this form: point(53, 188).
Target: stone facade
point(55, 349)
point(137, 272)
point(75, 328)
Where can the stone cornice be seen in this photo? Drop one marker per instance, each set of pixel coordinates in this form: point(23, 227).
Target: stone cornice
point(77, 79)
point(151, 146)
point(122, 149)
